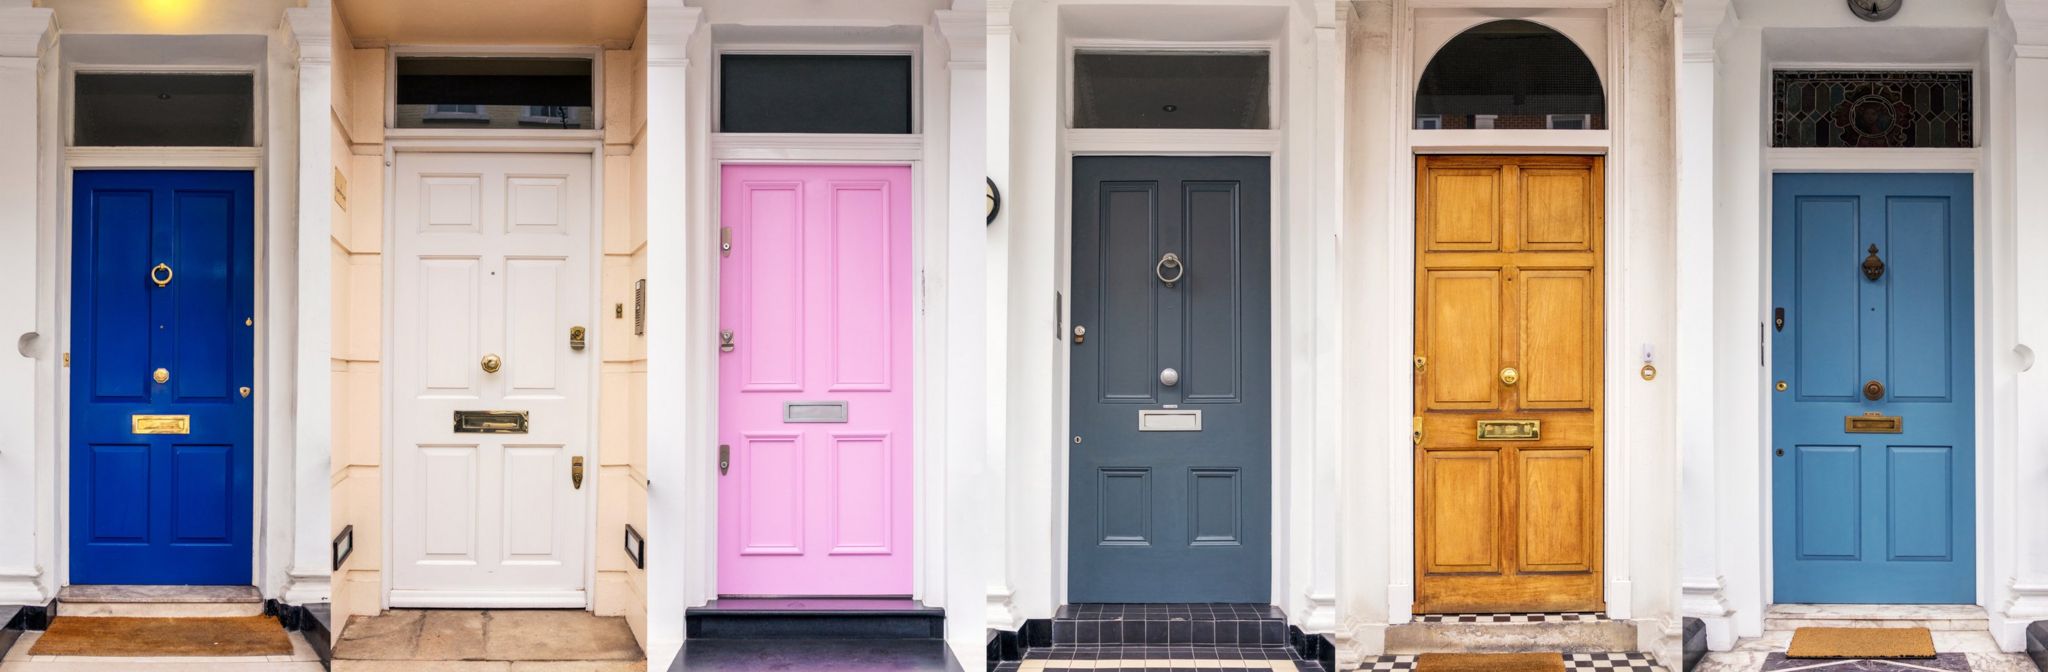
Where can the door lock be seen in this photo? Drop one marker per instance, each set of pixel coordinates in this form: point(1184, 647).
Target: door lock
point(725, 340)
point(1080, 334)
point(576, 471)
point(492, 363)
point(1873, 390)
point(724, 458)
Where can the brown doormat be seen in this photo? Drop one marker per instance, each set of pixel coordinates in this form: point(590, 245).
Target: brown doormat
point(1489, 662)
point(135, 637)
point(1861, 643)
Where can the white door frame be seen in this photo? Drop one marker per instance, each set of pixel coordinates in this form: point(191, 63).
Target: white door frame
point(585, 143)
point(1571, 19)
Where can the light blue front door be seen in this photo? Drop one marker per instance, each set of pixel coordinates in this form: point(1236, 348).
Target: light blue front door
point(1862, 517)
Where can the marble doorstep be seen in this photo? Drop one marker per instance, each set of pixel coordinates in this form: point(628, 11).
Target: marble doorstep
point(20, 660)
point(1752, 661)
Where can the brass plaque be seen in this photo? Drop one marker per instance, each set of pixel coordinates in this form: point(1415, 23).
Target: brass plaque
point(1510, 430)
point(490, 422)
point(160, 424)
point(1873, 423)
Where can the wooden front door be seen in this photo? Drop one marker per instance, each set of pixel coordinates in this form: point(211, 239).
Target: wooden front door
point(1508, 384)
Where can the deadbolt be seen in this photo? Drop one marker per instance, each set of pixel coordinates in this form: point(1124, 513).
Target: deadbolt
point(1169, 377)
point(576, 338)
point(1873, 390)
point(1509, 376)
point(725, 340)
point(576, 471)
point(162, 376)
point(491, 363)
point(724, 458)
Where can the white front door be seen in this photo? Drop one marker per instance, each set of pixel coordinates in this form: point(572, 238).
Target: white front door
point(492, 272)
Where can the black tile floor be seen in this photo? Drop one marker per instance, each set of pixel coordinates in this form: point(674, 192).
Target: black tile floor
point(815, 655)
point(1139, 657)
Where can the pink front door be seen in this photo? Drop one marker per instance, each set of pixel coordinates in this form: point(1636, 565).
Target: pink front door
point(814, 389)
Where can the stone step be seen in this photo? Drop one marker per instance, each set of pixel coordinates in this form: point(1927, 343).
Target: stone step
point(1876, 612)
point(1598, 636)
point(1945, 641)
point(487, 666)
point(159, 601)
point(1169, 625)
point(814, 618)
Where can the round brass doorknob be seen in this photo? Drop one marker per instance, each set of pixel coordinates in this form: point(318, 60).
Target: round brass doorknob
point(1873, 390)
point(1509, 376)
point(491, 363)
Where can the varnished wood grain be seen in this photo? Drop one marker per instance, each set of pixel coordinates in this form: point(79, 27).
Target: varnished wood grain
point(1508, 274)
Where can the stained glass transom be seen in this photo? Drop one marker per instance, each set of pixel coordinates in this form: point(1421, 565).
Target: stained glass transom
point(1814, 108)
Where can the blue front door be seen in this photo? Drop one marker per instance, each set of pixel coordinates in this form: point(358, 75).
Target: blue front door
point(1872, 275)
point(1170, 482)
point(161, 354)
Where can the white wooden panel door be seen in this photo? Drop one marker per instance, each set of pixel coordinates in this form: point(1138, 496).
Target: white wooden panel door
point(491, 258)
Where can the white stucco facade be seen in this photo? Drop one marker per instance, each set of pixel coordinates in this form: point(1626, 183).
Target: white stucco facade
point(1729, 51)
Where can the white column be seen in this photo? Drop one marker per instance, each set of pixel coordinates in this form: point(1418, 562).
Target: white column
point(2019, 488)
point(1000, 605)
point(1031, 445)
point(1316, 469)
point(671, 559)
point(25, 34)
point(308, 473)
point(1693, 368)
point(968, 549)
point(1738, 373)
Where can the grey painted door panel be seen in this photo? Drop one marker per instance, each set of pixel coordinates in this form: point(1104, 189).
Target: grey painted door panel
point(1171, 516)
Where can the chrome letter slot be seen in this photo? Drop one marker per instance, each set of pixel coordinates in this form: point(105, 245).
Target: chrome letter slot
point(814, 411)
point(1169, 420)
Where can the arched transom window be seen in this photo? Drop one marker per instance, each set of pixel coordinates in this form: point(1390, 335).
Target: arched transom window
point(1510, 74)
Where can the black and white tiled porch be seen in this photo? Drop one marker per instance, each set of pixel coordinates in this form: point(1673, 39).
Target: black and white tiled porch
point(1150, 637)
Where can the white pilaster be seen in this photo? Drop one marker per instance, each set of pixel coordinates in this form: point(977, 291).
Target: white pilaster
point(1738, 373)
point(26, 35)
point(672, 558)
point(2018, 556)
point(1315, 603)
point(312, 28)
point(1693, 369)
point(1000, 598)
point(968, 548)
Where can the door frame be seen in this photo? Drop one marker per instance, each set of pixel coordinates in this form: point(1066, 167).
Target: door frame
point(1619, 489)
point(1860, 160)
point(227, 159)
point(793, 149)
point(1268, 143)
point(584, 144)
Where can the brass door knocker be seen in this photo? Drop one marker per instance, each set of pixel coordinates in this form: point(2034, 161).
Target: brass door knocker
point(160, 274)
point(1873, 267)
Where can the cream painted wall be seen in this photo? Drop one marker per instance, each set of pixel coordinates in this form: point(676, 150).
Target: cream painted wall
point(359, 105)
point(184, 17)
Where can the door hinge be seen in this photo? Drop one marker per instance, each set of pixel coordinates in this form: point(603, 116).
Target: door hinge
point(1417, 438)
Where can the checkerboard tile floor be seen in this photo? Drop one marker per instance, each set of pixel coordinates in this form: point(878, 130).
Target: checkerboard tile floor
point(1162, 658)
point(1573, 662)
point(1511, 618)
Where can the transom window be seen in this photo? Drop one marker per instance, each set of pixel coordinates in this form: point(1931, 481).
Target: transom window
point(472, 92)
point(1815, 108)
point(1510, 74)
point(815, 93)
point(164, 109)
point(1124, 89)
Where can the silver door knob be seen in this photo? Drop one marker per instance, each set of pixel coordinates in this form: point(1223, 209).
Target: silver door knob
point(1169, 377)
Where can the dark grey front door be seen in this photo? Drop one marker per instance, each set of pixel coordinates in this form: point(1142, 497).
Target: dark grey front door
point(1171, 470)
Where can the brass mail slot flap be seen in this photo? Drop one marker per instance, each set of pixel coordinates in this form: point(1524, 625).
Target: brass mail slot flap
point(490, 422)
point(1873, 424)
point(814, 411)
point(160, 424)
point(1510, 430)
point(1170, 420)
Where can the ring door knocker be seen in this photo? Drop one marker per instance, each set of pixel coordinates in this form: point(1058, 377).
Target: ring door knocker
point(1170, 262)
point(160, 274)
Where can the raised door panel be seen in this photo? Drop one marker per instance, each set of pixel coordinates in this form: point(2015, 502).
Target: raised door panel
point(1558, 506)
point(1826, 279)
point(202, 361)
point(1128, 240)
point(1461, 504)
point(1558, 210)
point(202, 487)
point(770, 510)
point(1462, 335)
point(536, 360)
point(447, 493)
point(1918, 299)
point(772, 286)
point(449, 329)
point(1212, 367)
point(1559, 354)
point(861, 260)
point(1464, 209)
point(119, 474)
point(1124, 506)
point(1920, 501)
point(1828, 504)
point(861, 473)
point(119, 302)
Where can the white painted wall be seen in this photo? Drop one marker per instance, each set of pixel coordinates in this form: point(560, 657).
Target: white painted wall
point(1727, 562)
point(290, 552)
point(1028, 244)
point(682, 164)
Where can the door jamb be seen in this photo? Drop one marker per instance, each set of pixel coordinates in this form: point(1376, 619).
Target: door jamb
point(459, 143)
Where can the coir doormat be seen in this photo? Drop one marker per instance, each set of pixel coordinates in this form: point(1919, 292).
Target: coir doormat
point(1861, 643)
point(137, 637)
point(1489, 662)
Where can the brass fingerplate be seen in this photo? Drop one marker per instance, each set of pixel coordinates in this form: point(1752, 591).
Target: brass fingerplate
point(160, 424)
point(490, 422)
point(1510, 430)
point(1873, 423)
